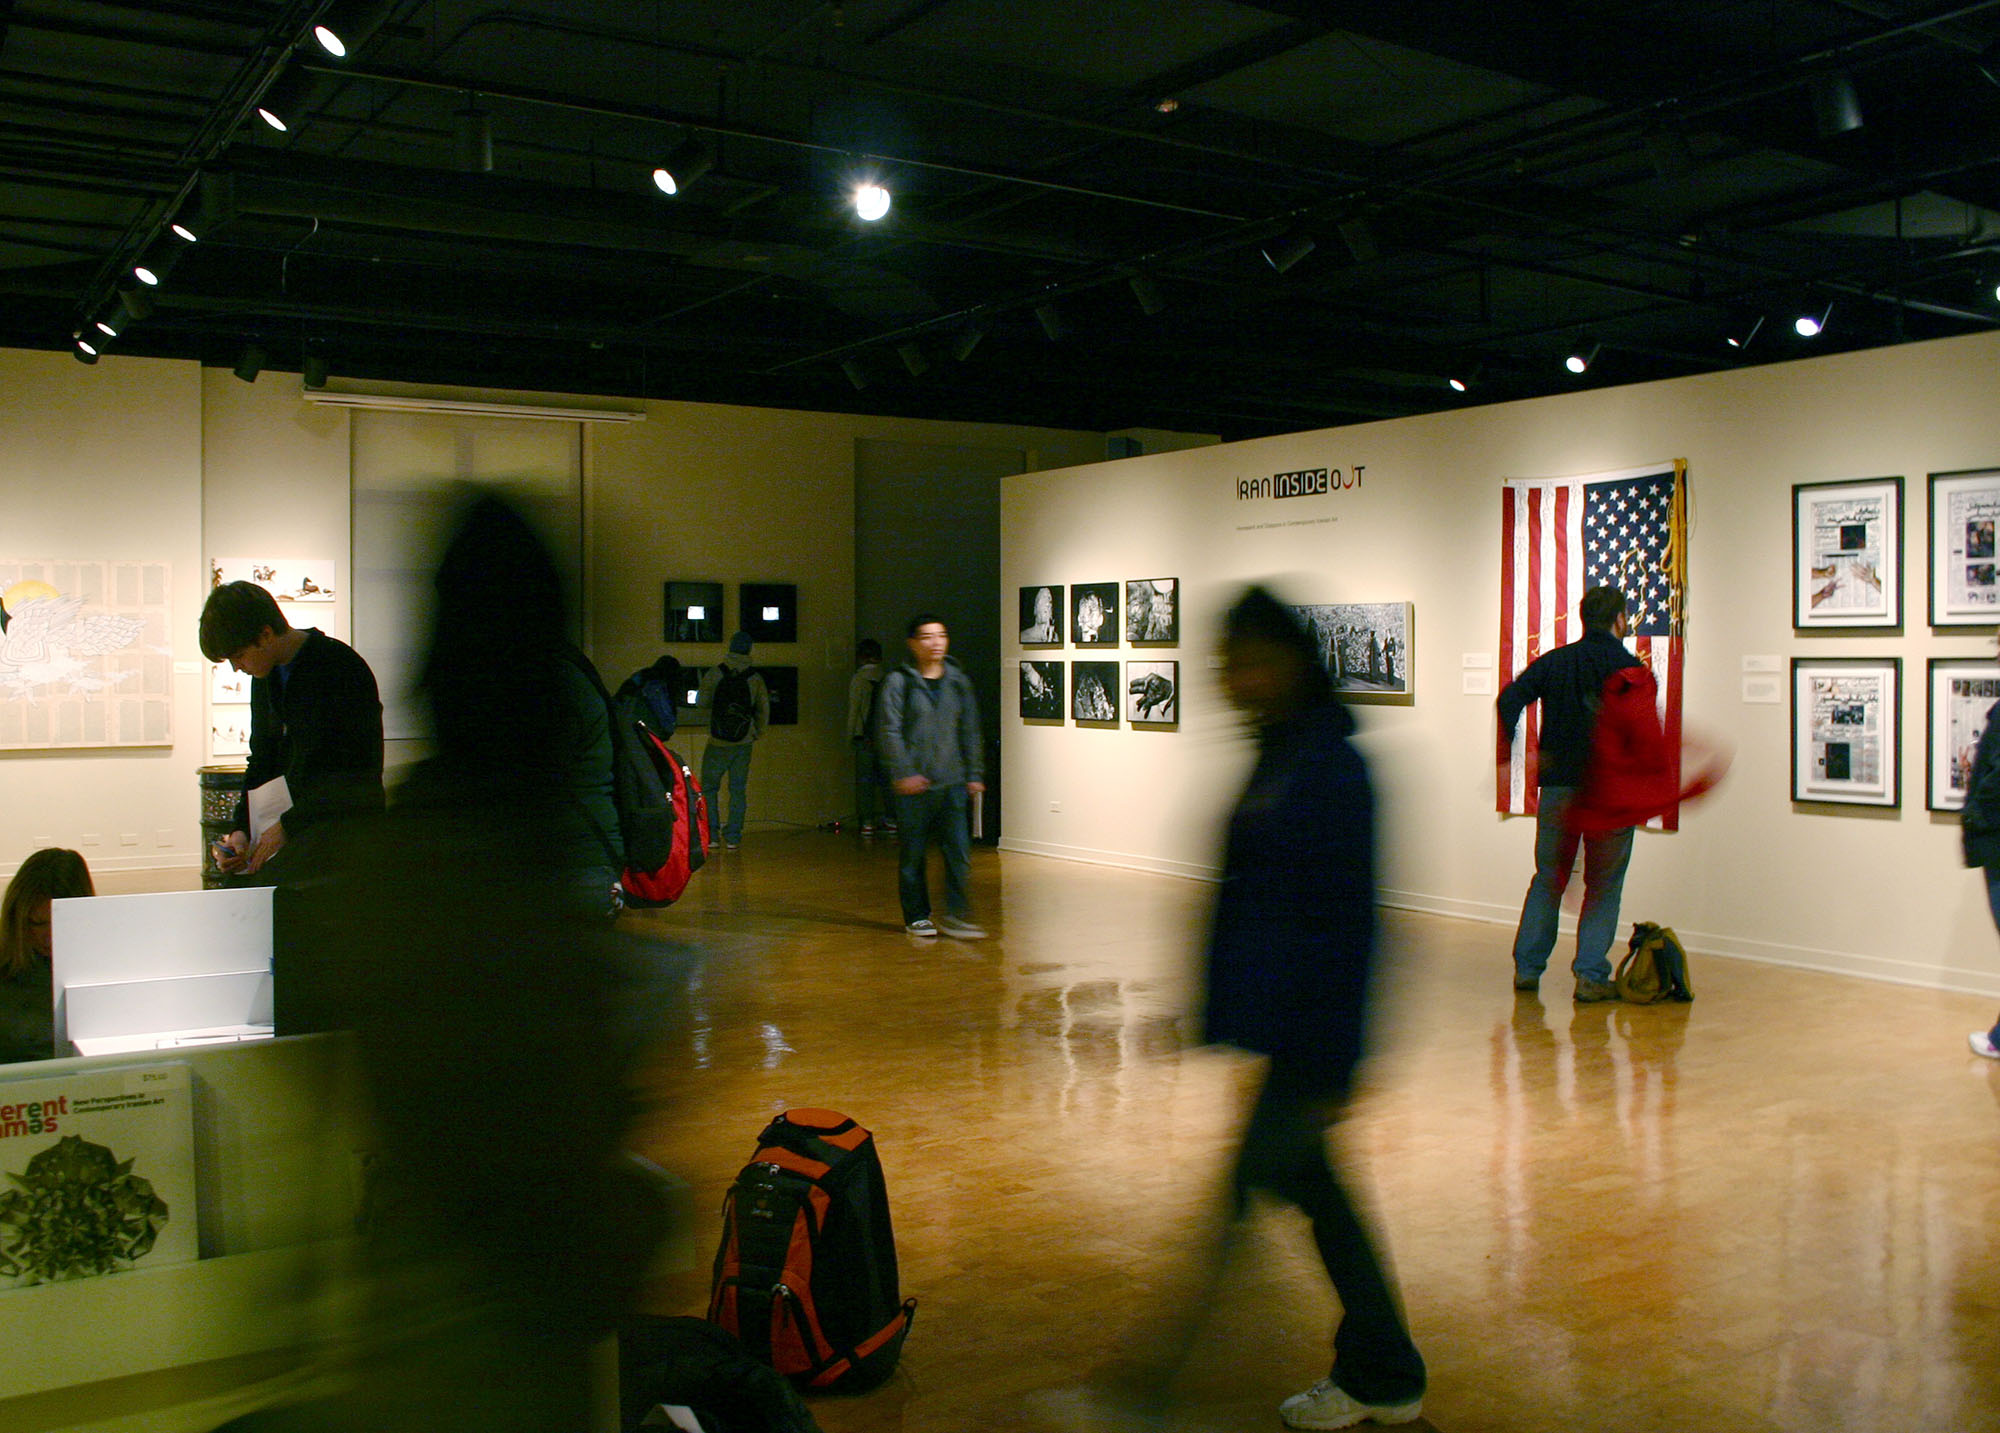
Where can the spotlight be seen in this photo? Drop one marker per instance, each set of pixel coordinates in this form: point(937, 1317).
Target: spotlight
point(106, 327)
point(967, 340)
point(315, 370)
point(251, 362)
point(1457, 385)
point(1462, 382)
point(181, 231)
point(1147, 294)
point(330, 42)
point(1836, 107)
point(912, 354)
point(685, 164)
point(1360, 240)
point(1741, 337)
point(1281, 254)
point(1811, 325)
point(83, 352)
point(1580, 362)
point(84, 345)
point(145, 276)
point(135, 301)
point(1051, 320)
point(856, 374)
point(270, 117)
point(871, 201)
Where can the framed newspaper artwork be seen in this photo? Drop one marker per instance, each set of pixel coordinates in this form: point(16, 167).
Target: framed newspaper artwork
point(1965, 581)
point(1847, 730)
point(1963, 690)
point(1847, 543)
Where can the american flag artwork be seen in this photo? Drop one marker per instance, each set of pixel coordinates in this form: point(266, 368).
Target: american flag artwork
point(1561, 536)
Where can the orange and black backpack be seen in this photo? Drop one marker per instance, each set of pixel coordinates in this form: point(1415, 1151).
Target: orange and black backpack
point(806, 1274)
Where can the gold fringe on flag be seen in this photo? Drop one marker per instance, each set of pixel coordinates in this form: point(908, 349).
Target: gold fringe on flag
point(1674, 560)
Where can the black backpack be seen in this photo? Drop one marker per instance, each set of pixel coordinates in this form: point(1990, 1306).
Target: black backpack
point(699, 1366)
point(806, 1272)
point(734, 715)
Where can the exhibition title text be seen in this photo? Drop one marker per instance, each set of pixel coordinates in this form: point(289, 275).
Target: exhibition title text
point(36, 1118)
point(1307, 482)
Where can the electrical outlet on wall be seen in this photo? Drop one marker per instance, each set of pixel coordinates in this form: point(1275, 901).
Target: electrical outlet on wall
point(128, 838)
point(1055, 806)
point(91, 838)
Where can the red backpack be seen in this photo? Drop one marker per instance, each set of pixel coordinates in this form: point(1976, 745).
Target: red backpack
point(662, 884)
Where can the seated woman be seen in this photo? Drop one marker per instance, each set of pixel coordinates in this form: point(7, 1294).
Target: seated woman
point(27, 991)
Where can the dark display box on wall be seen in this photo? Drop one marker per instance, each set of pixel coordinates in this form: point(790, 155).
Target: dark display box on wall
point(783, 684)
point(694, 612)
point(769, 611)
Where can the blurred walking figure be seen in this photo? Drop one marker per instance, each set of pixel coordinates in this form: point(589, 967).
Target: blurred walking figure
point(1290, 959)
point(1979, 832)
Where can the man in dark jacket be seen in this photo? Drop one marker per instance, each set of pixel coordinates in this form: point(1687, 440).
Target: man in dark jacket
point(1979, 831)
point(927, 725)
point(1568, 682)
point(315, 720)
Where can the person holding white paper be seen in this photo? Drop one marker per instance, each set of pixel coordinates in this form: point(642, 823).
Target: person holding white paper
point(315, 727)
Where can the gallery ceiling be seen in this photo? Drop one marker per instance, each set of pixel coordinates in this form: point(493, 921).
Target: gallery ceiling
point(1091, 198)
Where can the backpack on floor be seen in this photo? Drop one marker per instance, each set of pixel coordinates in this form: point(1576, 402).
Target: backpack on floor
point(1654, 968)
point(733, 708)
point(695, 1365)
point(806, 1272)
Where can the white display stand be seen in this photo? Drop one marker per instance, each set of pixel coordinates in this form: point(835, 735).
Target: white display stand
point(162, 972)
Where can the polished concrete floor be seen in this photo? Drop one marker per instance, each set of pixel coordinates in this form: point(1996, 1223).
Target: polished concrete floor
point(1778, 1208)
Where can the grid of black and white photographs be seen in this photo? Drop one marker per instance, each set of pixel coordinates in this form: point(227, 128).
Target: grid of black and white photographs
point(1042, 692)
point(1153, 612)
point(1093, 614)
point(1041, 616)
point(1366, 647)
point(1963, 690)
point(1153, 694)
point(1094, 699)
point(1965, 574)
point(1847, 730)
point(1846, 543)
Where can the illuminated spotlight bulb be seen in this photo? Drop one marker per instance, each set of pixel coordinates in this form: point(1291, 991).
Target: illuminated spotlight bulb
point(181, 231)
point(145, 275)
point(271, 118)
point(106, 329)
point(871, 202)
point(330, 42)
point(86, 345)
point(1457, 384)
point(665, 181)
point(1576, 363)
point(1806, 326)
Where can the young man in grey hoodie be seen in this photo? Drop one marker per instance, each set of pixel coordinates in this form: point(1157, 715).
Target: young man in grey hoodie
point(927, 725)
point(736, 718)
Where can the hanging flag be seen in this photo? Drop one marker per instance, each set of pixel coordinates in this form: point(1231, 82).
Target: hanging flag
point(1561, 536)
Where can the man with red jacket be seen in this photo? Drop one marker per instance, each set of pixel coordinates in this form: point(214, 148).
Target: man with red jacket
point(1569, 683)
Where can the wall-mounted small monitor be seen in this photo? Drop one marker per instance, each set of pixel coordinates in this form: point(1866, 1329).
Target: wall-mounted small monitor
point(694, 612)
point(770, 611)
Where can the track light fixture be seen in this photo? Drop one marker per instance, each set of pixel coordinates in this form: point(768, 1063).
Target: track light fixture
point(1285, 251)
point(871, 201)
point(330, 42)
point(84, 352)
point(1457, 385)
point(912, 354)
point(1147, 295)
point(251, 361)
point(183, 232)
point(1051, 320)
point(315, 370)
point(271, 118)
point(145, 276)
point(1740, 336)
point(966, 340)
point(687, 162)
point(856, 373)
point(1812, 325)
point(1359, 237)
point(1462, 382)
point(1836, 107)
point(1580, 362)
point(134, 301)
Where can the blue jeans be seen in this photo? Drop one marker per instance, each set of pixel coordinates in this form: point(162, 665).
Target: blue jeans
point(731, 759)
point(942, 815)
point(1604, 861)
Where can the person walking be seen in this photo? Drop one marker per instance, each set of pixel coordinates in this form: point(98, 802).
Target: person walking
point(928, 718)
point(1979, 833)
point(864, 689)
point(739, 712)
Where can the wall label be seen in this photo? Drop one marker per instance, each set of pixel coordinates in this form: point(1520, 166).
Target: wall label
point(1305, 483)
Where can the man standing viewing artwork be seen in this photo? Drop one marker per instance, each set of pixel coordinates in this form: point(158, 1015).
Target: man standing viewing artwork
point(928, 725)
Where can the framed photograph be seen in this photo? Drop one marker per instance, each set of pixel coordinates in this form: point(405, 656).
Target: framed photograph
point(768, 611)
point(1093, 614)
point(694, 612)
point(1963, 690)
point(1094, 701)
point(1847, 544)
point(1965, 586)
point(1366, 648)
point(227, 687)
point(1153, 612)
point(1041, 616)
point(1153, 694)
point(1042, 692)
point(1847, 730)
point(289, 579)
point(783, 685)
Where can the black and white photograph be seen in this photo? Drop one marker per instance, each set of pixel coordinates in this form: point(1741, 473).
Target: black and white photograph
point(1095, 699)
point(1153, 612)
point(1093, 614)
point(1041, 616)
point(694, 612)
point(1846, 537)
point(1153, 693)
point(1365, 647)
point(1042, 691)
point(1964, 589)
point(1847, 727)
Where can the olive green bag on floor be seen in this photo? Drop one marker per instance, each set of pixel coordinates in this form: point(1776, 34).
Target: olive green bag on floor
point(1655, 967)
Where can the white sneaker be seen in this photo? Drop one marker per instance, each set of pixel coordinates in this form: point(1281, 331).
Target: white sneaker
point(959, 928)
point(921, 928)
point(1327, 1405)
point(1982, 1044)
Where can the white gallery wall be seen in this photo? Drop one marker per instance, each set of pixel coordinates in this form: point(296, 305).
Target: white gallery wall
point(1868, 891)
point(160, 460)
